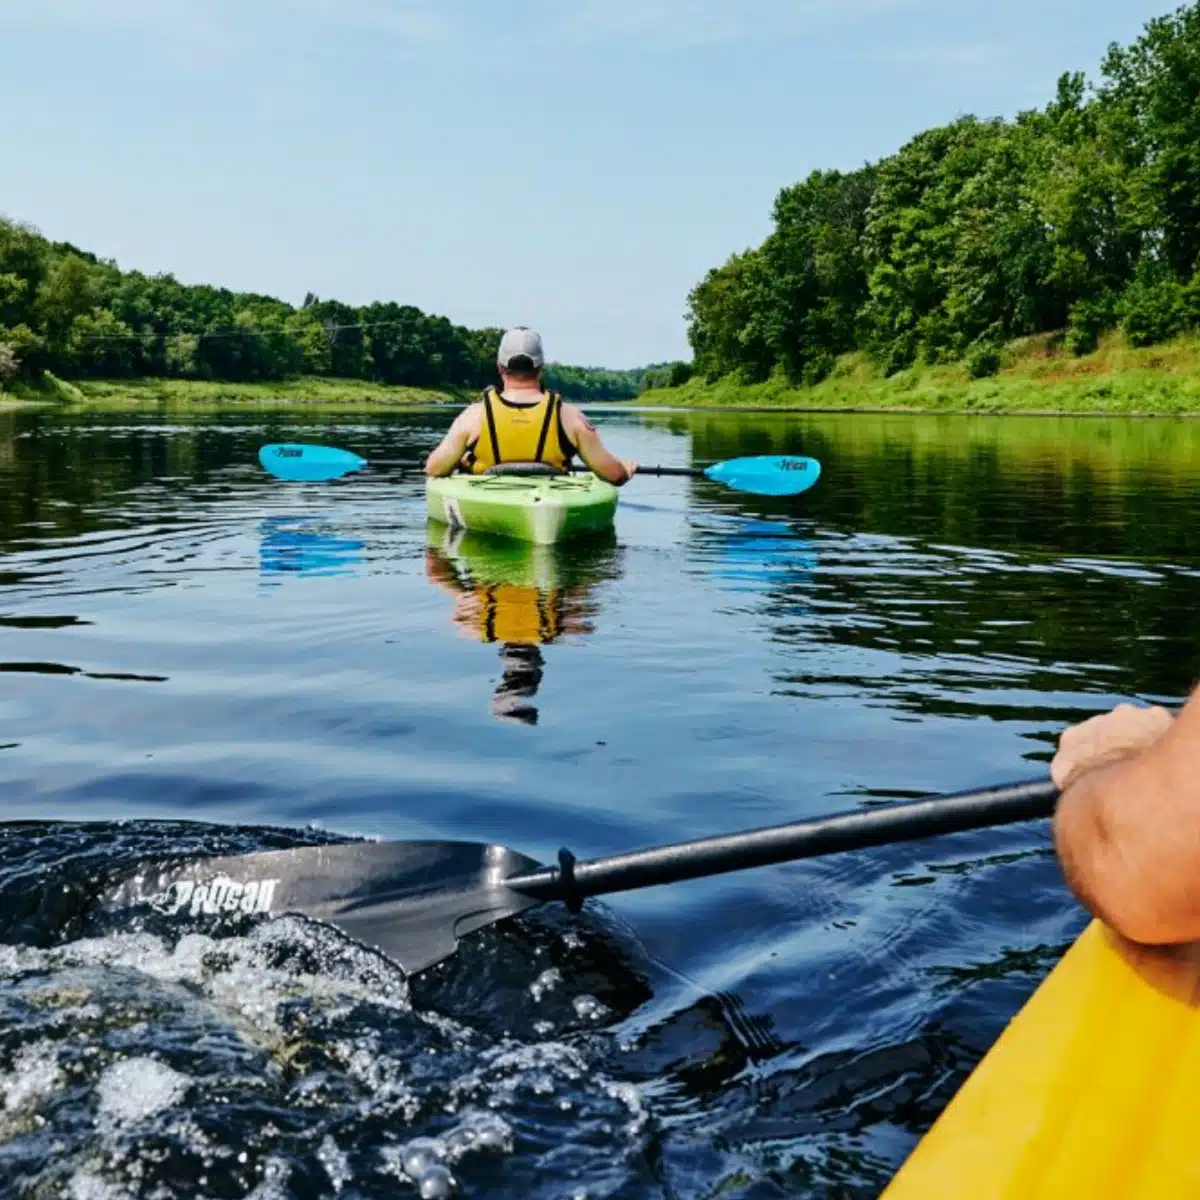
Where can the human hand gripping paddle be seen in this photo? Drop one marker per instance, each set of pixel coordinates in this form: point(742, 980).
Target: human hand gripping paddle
point(767, 475)
point(413, 901)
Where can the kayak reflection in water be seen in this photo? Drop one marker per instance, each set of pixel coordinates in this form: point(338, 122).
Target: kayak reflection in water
point(522, 597)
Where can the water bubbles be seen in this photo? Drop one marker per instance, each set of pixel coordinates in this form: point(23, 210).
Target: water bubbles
point(436, 1182)
point(545, 983)
point(542, 1085)
point(459, 1140)
point(489, 1132)
point(418, 1156)
point(588, 1008)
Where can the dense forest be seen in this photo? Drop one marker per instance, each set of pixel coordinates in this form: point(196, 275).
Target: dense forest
point(1079, 218)
point(67, 311)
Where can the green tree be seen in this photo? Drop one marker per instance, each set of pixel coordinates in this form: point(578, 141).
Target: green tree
point(28, 348)
point(722, 328)
point(181, 356)
point(10, 364)
point(100, 345)
point(66, 293)
point(1150, 104)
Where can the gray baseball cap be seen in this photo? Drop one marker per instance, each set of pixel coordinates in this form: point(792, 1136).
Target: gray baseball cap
point(521, 342)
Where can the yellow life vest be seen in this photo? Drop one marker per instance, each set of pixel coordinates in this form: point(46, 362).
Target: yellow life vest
point(521, 433)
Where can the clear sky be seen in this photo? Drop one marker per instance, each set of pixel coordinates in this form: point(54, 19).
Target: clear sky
point(575, 165)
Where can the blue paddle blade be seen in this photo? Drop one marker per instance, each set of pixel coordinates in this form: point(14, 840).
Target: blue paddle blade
point(300, 463)
point(778, 475)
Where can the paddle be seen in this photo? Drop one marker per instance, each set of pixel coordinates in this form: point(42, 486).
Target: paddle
point(768, 475)
point(414, 900)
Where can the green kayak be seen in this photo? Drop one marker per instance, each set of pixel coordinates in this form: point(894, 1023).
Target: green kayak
point(539, 509)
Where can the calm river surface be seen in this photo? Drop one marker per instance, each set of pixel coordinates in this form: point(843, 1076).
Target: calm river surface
point(194, 657)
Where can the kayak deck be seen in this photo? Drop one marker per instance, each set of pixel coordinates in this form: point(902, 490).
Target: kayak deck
point(543, 510)
point(1092, 1090)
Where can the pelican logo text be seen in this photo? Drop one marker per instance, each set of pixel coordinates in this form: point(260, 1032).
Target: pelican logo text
point(214, 896)
point(289, 452)
point(794, 464)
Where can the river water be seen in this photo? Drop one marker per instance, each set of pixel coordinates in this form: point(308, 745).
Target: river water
point(195, 658)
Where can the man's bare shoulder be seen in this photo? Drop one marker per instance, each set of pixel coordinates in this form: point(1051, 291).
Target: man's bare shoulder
point(470, 416)
point(573, 418)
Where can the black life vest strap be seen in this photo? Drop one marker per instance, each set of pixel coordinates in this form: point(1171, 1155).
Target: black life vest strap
point(491, 421)
point(551, 411)
point(564, 443)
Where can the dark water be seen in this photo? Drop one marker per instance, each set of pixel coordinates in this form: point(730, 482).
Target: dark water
point(194, 658)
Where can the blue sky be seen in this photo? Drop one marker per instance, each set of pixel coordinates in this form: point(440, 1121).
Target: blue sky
point(575, 165)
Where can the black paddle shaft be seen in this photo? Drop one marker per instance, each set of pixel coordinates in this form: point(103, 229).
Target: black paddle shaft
point(682, 472)
point(573, 881)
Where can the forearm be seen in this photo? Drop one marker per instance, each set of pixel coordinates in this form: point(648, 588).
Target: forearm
point(1128, 842)
point(611, 470)
point(442, 461)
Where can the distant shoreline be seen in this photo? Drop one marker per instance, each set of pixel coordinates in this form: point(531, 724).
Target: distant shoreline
point(134, 395)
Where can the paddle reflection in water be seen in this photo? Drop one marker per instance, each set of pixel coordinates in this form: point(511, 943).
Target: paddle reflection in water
point(303, 544)
point(754, 555)
point(520, 596)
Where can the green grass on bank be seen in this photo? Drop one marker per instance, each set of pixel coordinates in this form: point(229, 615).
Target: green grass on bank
point(132, 395)
point(1037, 376)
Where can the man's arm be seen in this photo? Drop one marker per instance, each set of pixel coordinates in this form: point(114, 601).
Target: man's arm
point(448, 453)
point(1127, 828)
point(591, 448)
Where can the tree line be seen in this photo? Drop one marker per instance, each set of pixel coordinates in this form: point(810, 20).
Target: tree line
point(1078, 218)
point(600, 384)
point(65, 310)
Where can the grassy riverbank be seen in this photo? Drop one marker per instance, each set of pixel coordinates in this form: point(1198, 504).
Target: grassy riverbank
point(197, 395)
point(1036, 376)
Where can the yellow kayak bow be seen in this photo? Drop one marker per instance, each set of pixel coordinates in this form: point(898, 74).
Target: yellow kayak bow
point(1092, 1091)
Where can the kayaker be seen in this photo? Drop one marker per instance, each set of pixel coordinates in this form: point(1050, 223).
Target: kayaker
point(522, 422)
point(1127, 828)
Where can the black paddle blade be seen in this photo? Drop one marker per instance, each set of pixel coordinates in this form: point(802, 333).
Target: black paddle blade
point(410, 900)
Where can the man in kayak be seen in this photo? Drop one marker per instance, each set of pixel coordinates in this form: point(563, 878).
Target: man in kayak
point(1128, 823)
point(521, 422)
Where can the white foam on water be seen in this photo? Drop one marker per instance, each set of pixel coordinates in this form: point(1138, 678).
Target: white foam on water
point(511, 1069)
point(84, 1185)
point(337, 1166)
point(35, 1076)
point(133, 1089)
point(273, 1185)
point(634, 1101)
point(286, 986)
